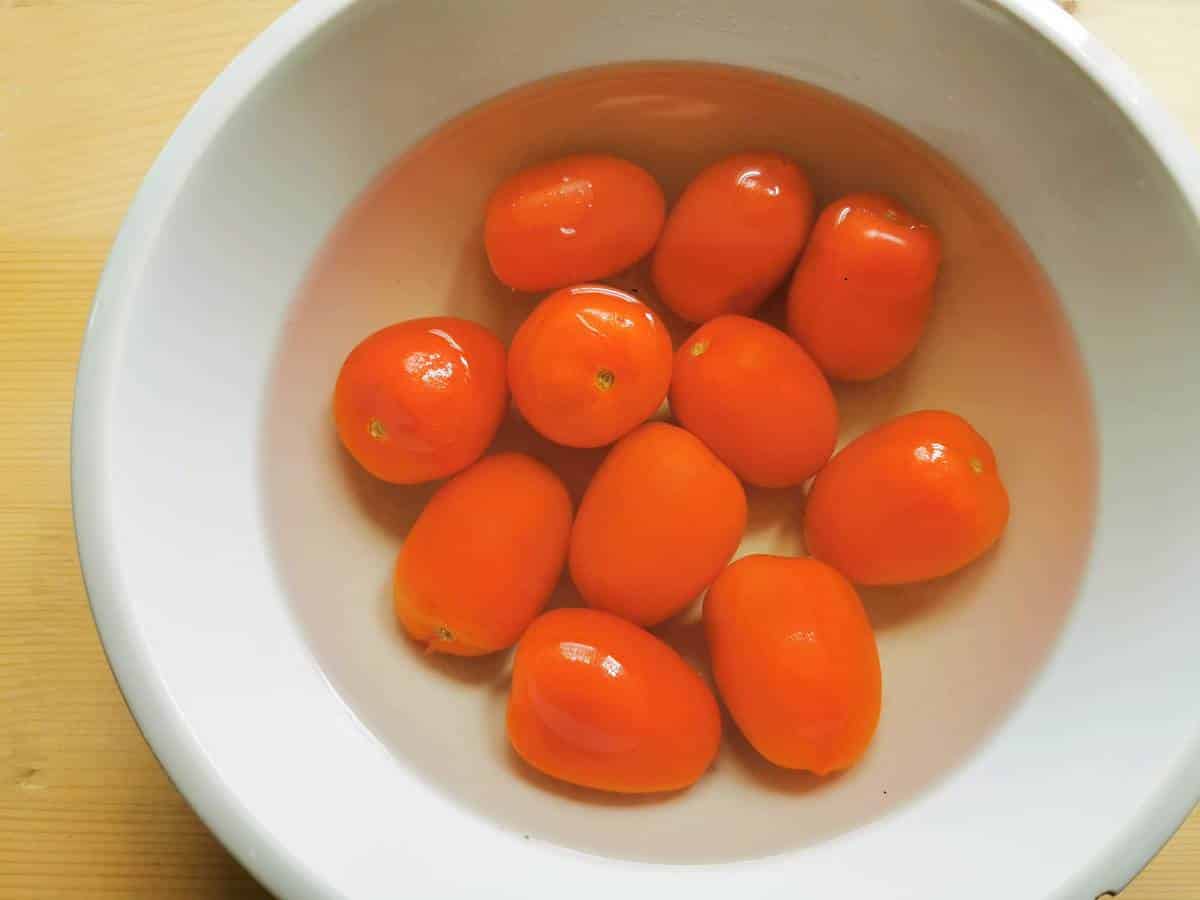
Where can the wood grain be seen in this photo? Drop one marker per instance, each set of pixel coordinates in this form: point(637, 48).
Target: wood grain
point(89, 91)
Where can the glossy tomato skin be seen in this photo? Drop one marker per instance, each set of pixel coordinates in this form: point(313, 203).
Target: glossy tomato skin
point(588, 365)
point(660, 519)
point(915, 498)
point(757, 399)
point(421, 399)
point(795, 661)
point(733, 236)
point(598, 702)
point(861, 296)
point(484, 556)
point(574, 219)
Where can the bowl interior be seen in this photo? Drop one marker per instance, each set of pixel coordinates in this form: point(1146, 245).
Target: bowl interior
point(957, 653)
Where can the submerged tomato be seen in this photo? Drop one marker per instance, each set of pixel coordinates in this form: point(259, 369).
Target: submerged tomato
point(756, 398)
point(578, 218)
point(864, 288)
point(914, 499)
point(733, 237)
point(589, 364)
point(660, 519)
point(795, 661)
point(421, 399)
point(484, 556)
point(599, 702)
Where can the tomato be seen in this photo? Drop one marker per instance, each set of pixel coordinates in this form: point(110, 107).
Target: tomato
point(795, 661)
point(733, 237)
point(588, 365)
point(916, 498)
point(756, 399)
point(659, 521)
point(864, 287)
point(599, 702)
point(421, 399)
point(573, 219)
point(484, 556)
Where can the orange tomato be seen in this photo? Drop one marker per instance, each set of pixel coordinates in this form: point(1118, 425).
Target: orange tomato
point(659, 520)
point(421, 399)
point(599, 702)
point(733, 237)
point(916, 498)
point(756, 398)
point(573, 219)
point(795, 661)
point(588, 365)
point(484, 556)
point(864, 287)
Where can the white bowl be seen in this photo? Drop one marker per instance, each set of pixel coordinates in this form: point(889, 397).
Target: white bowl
point(1040, 738)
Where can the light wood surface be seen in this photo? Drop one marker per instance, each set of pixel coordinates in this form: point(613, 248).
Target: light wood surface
point(89, 91)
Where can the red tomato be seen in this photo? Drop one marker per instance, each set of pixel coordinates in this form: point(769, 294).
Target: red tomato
point(579, 218)
point(795, 661)
point(590, 364)
point(421, 399)
point(599, 702)
point(862, 293)
point(483, 557)
point(733, 237)
point(659, 521)
point(756, 398)
point(915, 498)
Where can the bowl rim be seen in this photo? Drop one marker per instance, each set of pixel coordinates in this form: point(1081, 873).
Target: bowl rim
point(162, 722)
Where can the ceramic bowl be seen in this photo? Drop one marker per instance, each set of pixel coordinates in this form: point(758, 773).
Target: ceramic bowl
point(1039, 738)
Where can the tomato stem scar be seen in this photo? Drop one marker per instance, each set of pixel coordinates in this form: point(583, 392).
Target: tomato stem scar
point(442, 633)
point(605, 379)
point(976, 465)
point(699, 348)
point(376, 430)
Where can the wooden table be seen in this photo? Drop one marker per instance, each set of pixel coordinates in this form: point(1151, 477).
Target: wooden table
point(89, 91)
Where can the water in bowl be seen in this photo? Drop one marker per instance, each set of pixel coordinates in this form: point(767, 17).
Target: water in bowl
point(957, 653)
